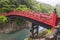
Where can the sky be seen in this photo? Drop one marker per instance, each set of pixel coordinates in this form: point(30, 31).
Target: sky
point(51, 2)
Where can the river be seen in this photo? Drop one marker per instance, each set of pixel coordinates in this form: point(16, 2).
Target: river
point(20, 35)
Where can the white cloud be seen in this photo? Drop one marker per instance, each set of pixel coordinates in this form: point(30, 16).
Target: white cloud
point(51, 2)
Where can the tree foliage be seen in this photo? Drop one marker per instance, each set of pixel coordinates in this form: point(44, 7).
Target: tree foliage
point(19, 21)
point(3, 19)
point(22, 8)
point(9, 5)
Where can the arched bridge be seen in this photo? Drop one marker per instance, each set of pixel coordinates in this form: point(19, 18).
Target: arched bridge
point(40, 17)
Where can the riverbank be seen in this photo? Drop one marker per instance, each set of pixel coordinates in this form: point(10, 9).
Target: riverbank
point(13, 27)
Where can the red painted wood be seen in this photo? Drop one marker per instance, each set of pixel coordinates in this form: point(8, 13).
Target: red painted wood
point(41, 17)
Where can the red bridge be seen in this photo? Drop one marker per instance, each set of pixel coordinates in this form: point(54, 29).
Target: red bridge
point(40, 17)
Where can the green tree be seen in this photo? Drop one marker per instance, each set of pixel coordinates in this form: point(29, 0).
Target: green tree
point(23, 8)
point(3, 20)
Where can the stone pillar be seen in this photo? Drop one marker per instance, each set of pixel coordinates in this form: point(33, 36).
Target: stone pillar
point(34, 31)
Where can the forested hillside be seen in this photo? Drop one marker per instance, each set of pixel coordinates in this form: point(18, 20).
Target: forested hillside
point(9, 5)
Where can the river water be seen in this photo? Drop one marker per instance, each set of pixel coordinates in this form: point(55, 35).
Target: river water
point(20, 35)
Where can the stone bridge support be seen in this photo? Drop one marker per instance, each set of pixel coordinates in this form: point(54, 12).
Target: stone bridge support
point(34, 31)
